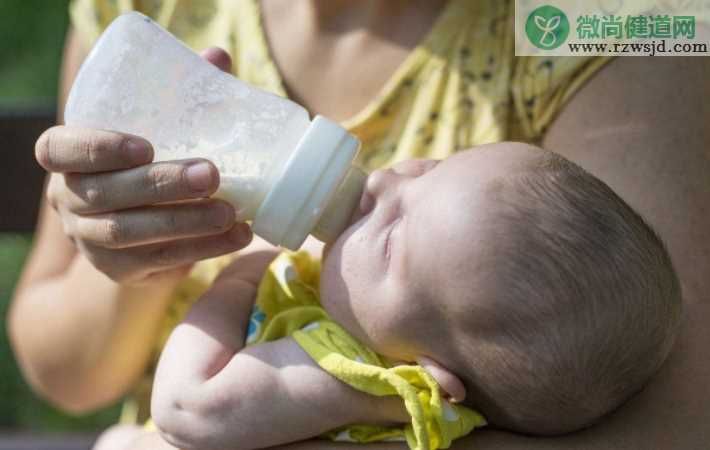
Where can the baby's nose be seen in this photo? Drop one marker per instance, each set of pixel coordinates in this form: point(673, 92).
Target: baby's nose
point(378, 182)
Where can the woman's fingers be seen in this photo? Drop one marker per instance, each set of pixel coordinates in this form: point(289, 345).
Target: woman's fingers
point(138, 263)
point(153, 224)
point(103, 184)
point(218, 57)
point(161, 182)
point(74, 149)
point(68, 149)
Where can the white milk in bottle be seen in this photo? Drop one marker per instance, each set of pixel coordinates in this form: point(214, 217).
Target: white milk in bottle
point(277, 168)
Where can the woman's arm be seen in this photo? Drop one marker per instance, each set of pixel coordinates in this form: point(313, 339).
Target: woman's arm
point(211, 392)
point(81, 338)
point(642, 126)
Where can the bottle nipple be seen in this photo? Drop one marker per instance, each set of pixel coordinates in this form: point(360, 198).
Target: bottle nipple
point(336, 215)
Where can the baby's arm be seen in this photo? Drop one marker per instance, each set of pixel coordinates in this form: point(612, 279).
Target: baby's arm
point(210, 392)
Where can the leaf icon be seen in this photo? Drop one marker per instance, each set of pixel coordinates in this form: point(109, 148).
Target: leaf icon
point(540, 22)
point(546, 27)
point(553, 23)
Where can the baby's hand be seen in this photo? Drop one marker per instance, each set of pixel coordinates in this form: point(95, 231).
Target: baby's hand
point(211, 392)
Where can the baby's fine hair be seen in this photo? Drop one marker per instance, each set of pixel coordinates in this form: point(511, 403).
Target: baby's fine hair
point(591, 303)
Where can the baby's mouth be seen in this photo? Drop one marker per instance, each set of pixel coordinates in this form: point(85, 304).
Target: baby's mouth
point(356, 220)
point(326, 250)
point(365, 207)
point(363, 210)
point(359, 217)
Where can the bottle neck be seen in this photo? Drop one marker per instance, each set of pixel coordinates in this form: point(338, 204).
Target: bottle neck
point(313, 173)
point(336, 215)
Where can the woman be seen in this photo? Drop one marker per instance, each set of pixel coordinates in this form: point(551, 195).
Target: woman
point(412, 78)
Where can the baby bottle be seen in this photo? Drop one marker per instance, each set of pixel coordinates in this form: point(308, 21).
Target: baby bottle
point(288, 175)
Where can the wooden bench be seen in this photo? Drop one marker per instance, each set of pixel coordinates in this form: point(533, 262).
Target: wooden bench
point(23, 441)
point(21, 178)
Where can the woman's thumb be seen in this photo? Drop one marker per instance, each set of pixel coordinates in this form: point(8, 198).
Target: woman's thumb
point(218, 57)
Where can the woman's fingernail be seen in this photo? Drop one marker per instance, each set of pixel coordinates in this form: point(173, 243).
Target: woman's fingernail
point(241, 234)
point(199, 177)
point(137, 151)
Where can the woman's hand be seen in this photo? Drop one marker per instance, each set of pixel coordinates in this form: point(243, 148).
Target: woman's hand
point(130, 217)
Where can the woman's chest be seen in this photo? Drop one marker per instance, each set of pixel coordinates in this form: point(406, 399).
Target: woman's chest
point(336, 69)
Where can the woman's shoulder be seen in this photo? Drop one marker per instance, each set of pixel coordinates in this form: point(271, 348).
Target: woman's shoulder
point(198, 24)
point(233, 25)
point(542, 86)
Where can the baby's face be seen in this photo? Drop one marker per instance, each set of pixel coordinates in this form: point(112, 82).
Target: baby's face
point(415, 252)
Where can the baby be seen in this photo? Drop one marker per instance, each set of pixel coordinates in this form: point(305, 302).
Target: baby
point(504, 279)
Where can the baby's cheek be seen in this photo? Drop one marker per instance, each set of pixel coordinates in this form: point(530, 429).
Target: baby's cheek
point(409, 323)
point(355, 290)
point(334, 285)
point(342, 291)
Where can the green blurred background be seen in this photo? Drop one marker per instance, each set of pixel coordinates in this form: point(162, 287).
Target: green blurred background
point(31, 40)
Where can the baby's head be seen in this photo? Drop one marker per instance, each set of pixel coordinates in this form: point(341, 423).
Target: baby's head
point(515, 277)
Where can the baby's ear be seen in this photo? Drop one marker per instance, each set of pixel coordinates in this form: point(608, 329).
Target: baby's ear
point(450, 384)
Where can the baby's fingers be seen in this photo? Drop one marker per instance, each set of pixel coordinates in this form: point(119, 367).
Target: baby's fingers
point(68, 149)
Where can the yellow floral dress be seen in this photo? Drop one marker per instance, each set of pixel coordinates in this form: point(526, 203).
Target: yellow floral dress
point(460, 87)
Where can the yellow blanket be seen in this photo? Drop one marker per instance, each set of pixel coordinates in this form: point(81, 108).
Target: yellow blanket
point(288, 305)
